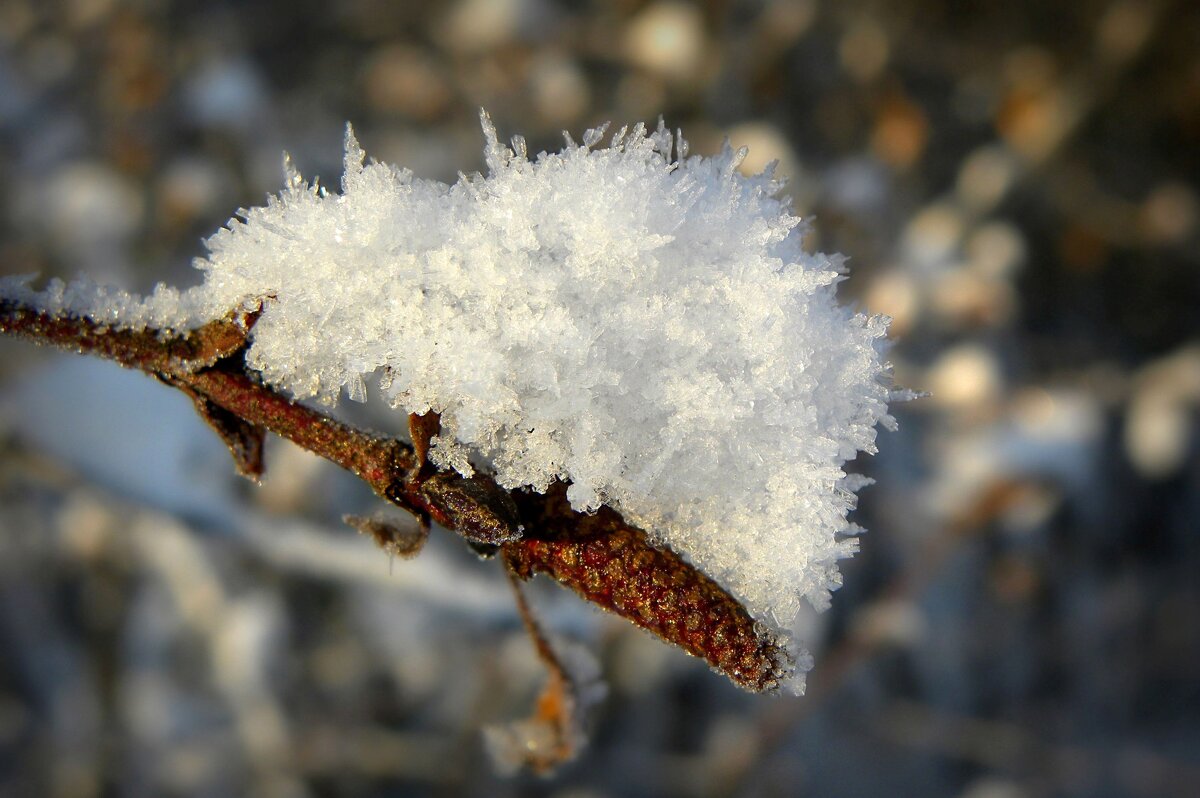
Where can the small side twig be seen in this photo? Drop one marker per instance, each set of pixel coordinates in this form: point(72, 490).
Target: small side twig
point(394, 540)
point(553, 734)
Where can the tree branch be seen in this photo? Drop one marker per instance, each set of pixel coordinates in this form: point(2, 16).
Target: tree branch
point(601, 557)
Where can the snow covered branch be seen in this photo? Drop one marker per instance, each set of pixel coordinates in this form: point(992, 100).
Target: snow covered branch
point(620, 365)
point(599, 556)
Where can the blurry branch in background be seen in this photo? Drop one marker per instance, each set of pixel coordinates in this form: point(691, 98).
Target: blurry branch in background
point(600, 556)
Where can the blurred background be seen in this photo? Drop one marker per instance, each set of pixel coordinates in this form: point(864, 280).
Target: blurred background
point(1016, 184)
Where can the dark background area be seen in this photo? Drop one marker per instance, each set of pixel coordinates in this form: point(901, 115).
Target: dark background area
point(1016, 184)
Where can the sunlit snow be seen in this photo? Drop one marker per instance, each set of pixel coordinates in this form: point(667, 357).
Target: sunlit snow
point(639, 322)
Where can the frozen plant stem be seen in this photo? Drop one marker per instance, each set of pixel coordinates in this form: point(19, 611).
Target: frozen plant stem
point(600, 556)
point(626, 331)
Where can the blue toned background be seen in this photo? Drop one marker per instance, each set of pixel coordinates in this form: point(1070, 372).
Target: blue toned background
point(1015, 184)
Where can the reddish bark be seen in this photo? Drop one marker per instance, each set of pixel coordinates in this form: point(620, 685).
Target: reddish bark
point(601, 557)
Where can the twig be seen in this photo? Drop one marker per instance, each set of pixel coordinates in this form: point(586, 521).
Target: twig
point(601, 557)
point(553, 734)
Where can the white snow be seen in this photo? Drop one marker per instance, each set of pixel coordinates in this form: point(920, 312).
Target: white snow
point(644, 324)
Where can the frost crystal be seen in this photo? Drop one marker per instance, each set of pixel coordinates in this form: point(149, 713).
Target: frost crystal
point(642, 324)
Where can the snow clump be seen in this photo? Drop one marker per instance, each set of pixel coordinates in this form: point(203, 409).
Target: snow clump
point(643, 324)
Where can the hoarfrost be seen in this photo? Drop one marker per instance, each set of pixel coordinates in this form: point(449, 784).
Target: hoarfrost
point(643, 324)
